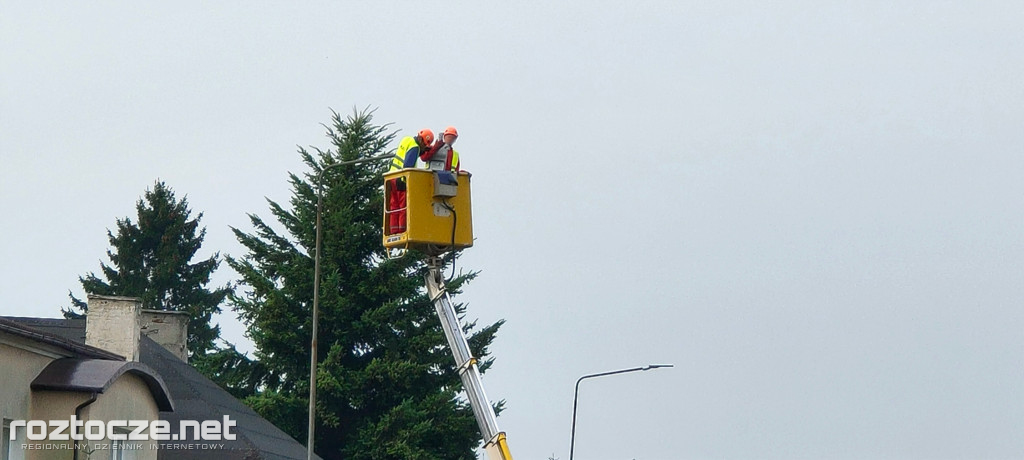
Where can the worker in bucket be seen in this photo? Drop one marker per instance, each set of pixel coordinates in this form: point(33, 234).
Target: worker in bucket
point(442, 156)
point(409, 150)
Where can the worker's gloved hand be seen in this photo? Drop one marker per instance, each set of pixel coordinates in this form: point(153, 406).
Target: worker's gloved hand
point(428, 152)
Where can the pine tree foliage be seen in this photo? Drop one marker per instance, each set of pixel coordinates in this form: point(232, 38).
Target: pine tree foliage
point(151, 259)
point(386, 387)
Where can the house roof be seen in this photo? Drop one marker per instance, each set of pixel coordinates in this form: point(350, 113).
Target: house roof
point(195, 398)
point(97, 375)
point(54, 336)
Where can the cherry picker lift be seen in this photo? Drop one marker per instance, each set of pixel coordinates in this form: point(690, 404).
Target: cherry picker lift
point(437, 218)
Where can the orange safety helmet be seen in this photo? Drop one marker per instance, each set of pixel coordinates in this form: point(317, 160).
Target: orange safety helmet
point(427, 136)
point(451, 130)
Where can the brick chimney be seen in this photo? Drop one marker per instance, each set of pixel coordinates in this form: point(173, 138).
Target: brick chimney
point(169, 329)
point(113, 324)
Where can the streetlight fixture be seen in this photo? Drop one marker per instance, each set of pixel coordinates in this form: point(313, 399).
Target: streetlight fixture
point(316, 293)
point(575, 399)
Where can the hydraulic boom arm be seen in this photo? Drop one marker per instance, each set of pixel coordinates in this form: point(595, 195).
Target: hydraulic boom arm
point(495, 444)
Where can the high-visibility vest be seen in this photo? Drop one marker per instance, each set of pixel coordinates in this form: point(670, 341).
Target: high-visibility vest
point(455, 161)
point(407, 143)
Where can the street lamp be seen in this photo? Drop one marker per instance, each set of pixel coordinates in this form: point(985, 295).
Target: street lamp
point(316, 293)
point(575, 399)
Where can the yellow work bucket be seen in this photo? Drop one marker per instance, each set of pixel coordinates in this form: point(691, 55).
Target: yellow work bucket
point(426, 210)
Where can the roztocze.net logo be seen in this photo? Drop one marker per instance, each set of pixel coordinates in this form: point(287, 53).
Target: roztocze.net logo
point(124, 430)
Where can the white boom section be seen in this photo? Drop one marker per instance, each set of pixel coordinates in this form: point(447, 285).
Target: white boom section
point(495, 445)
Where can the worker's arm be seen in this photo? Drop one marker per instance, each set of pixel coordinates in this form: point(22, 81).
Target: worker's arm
point(410, 157)
point(430, 151)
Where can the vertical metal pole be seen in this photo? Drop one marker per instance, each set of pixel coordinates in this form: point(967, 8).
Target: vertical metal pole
point(316, 318)
point(575, 400)
point(316, 294)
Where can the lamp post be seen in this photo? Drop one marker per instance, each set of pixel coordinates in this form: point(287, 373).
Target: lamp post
point(316, 293)
point(575, 399)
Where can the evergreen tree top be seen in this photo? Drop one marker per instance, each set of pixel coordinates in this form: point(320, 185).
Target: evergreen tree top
point(151, 258)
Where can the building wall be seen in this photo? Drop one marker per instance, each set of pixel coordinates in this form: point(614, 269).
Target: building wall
point(18, 367)
point(54, 405)
point(22, 360)
point(128, 398)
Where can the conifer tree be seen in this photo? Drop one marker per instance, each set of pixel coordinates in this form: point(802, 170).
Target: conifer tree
point(387, 387)
point(151, 259)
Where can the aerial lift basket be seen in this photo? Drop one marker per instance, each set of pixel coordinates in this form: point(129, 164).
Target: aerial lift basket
point(437, 211)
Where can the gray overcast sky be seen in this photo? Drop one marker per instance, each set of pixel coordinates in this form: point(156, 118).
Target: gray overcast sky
point(813, 210)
